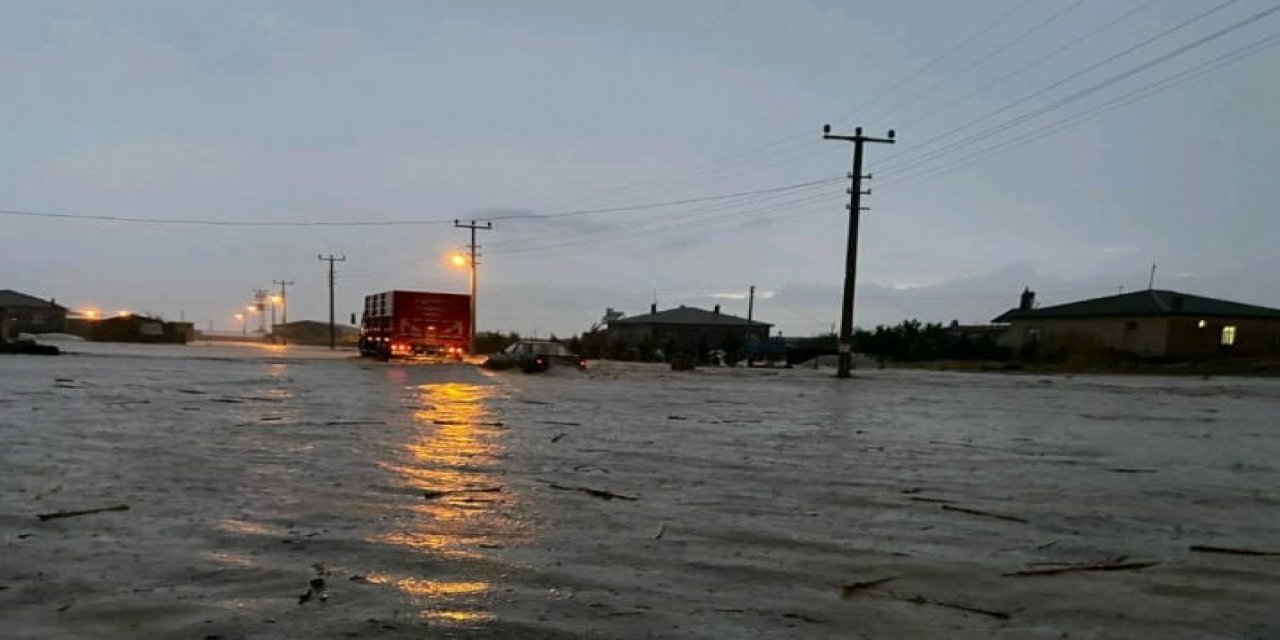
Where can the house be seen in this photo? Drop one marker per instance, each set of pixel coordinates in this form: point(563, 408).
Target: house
point(21, 313)
point(1152, 323)
point(686, 328)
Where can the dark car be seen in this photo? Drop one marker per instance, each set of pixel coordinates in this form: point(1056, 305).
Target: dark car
point(534, 356)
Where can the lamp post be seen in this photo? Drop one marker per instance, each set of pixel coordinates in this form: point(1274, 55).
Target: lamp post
point(460, 260)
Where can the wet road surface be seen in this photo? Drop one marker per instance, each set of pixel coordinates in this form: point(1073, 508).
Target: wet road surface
point(296, 495)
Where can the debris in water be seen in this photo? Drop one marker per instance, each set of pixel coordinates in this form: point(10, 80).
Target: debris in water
point(849, 590)
point(83, 512)
point(1204, 548)
point(801, 616)
point(351, 423)
point(318, 587)
point(599, 493)
point(662, 531)
point(979, 512)
point(557, 437)
point(920, 599)
point(432, 494)
point(1108, 566)
point(1128, 470)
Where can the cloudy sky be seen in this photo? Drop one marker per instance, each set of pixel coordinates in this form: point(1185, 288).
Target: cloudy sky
point(1064, 145)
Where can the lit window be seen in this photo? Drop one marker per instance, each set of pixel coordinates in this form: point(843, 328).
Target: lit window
point(1228, 335)
point(1202, 324)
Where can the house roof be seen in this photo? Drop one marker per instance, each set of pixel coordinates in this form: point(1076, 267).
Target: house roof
point(12, 299)
point(1152, 302)
point(689, 316)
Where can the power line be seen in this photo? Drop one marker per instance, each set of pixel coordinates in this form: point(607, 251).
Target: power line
point(916, 97)
point(744, 164)
point(632, 231)
point(1094, 88)
point(1034, 63)
point(1125, 99)
point(1060, 82)
point(679, 213)
point(719, 165)
point(384, 223)
point(935, 61)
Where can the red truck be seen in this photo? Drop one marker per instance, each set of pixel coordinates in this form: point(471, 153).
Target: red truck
point(405, 324)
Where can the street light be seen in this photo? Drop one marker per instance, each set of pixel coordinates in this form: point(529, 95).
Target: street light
point(460, 260)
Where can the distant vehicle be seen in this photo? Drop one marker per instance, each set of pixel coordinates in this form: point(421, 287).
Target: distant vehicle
point(535, 356)
point(415, 324)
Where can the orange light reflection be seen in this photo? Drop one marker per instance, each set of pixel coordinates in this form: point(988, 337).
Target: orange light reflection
point(464, 505)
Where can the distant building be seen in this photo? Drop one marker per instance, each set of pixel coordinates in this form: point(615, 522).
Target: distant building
point(22, 313)
point(1154, 323)
point(132, 328)
point(311, 332)
point(686, 328)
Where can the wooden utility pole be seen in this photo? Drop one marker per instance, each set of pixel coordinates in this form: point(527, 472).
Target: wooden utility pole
point(333, 337)
point(284, 311)
point(475, 256)
point(851, 255)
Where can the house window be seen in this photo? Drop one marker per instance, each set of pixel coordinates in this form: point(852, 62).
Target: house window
point(1202, 324)
point(1228, 335)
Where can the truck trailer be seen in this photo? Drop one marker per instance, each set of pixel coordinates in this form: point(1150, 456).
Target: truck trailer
point(409, 324)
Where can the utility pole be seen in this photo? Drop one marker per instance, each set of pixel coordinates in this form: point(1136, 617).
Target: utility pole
point(487, 226)
point(851, 255)
point(333, 338)
point(1151, 283)
point(260, 303)
point(284, 311)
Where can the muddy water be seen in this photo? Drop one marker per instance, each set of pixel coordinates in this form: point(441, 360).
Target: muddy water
point(297, 495)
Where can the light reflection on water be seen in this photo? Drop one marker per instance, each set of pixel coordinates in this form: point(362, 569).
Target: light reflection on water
point(465, 505)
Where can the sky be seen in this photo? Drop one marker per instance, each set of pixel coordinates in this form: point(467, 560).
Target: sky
point(628, 153)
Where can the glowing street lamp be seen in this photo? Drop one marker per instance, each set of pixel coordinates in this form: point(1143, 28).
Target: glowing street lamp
point(461, 261)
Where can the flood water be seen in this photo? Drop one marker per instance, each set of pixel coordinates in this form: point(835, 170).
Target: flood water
point(302, 494)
